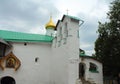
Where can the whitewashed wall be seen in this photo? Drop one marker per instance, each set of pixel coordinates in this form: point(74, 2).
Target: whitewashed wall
point(31, 72)
point(96, 77)
point(66, 53)
point(57, 64)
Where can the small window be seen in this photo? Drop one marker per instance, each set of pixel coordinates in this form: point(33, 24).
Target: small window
point(36, 59)
point(59, 34)
point(66, 30)
point(25, 44)
point(93, 67)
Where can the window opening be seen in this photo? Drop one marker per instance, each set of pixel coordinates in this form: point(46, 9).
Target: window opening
point(66, 29)
point(36, 59)
point(93, 67)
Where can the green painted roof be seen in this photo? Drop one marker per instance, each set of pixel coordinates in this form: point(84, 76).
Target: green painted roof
point(73, 17)
point(24, 37)
point(83, 55)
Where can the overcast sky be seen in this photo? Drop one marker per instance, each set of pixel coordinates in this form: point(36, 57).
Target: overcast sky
point(32, 15)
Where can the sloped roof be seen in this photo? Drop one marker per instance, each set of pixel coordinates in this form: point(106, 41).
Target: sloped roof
point(89, 57)
point(72, 17)
point(83, 55)
point(24, 37)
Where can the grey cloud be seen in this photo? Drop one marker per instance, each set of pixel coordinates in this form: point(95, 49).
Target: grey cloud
point(88, 30)
point(31, 13)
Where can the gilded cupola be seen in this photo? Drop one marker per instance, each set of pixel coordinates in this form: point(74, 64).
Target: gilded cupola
point(50, 24)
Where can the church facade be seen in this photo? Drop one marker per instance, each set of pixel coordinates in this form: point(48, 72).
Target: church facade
point(46, 59)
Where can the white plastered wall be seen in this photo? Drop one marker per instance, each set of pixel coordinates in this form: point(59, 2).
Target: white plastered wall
point(93, 76)
point(66, 55)
point(31, 72)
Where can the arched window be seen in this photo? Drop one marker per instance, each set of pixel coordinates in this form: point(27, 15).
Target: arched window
point(7, 80)
point(66, 29)
point(60, 33)
point(59, 36)
point(81, 70)
point(93, 67)
point(65, 33)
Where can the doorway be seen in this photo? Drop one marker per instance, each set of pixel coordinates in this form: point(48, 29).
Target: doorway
point(7, 80)
point(81, 70)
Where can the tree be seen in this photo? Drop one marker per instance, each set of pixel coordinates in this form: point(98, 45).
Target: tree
point(107, 45)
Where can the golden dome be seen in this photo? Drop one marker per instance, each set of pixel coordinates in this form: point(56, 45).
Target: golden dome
point(50, 24)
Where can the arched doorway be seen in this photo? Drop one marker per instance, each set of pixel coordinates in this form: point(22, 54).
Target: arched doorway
point(7, 80)
point(81, 70)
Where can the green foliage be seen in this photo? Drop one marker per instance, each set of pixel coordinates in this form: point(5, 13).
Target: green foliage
point(107, 45)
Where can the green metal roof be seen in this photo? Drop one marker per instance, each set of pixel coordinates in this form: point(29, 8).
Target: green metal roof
point(24, 37)
point(83, 55)
point(73, 17)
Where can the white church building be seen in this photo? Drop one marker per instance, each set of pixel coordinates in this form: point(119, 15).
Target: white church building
point(53, 58)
